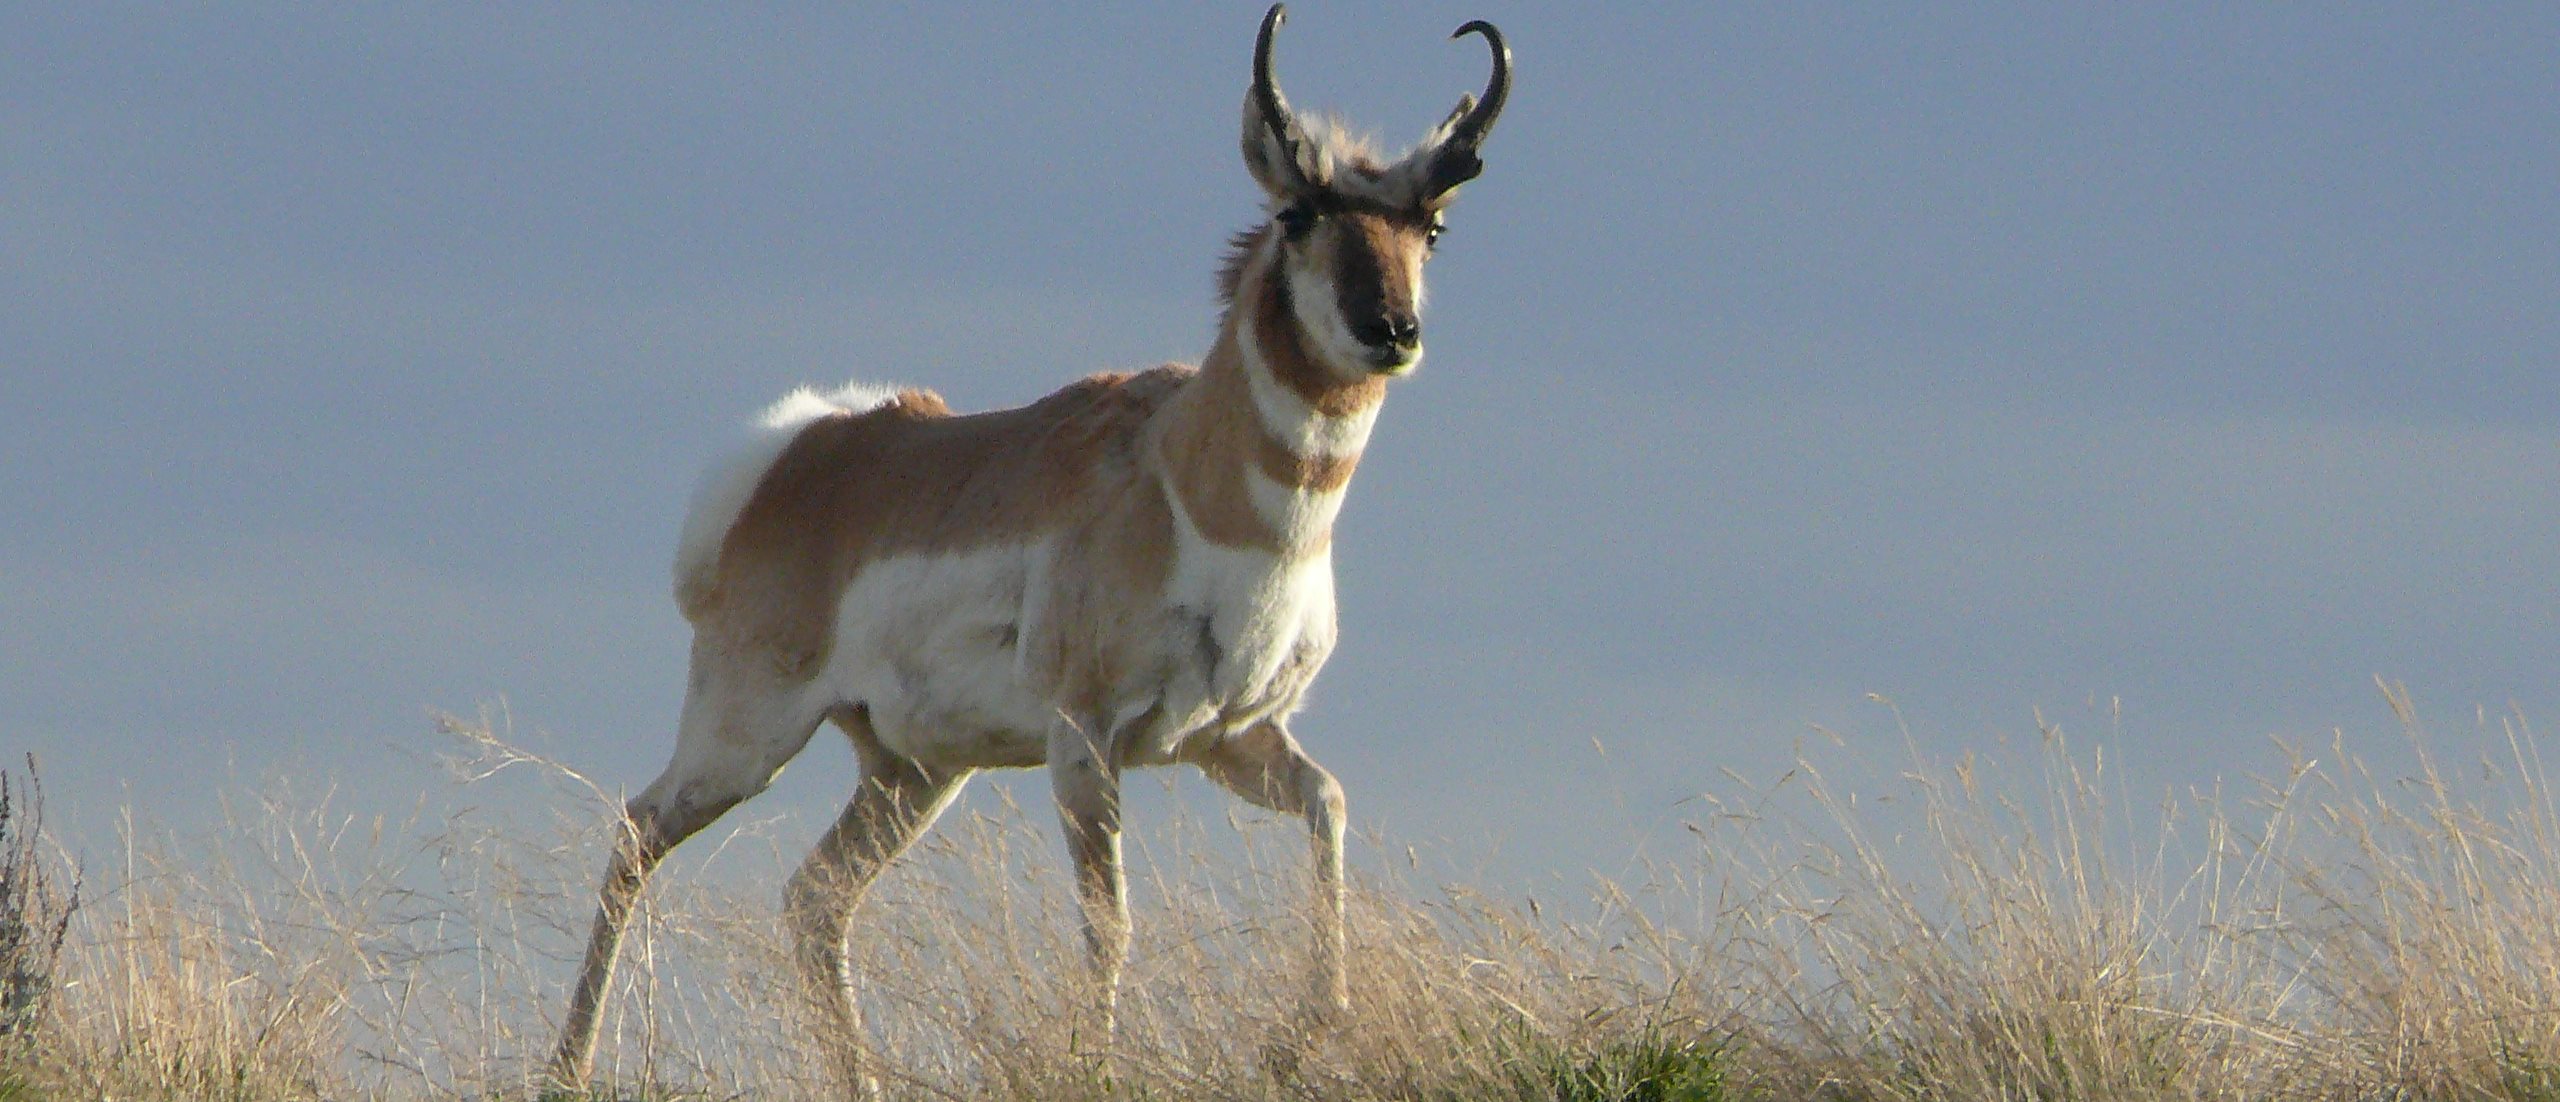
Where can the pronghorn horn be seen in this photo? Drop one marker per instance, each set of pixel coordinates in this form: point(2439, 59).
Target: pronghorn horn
point(1488, 106)
point(1458, 162)
point(1266, 91)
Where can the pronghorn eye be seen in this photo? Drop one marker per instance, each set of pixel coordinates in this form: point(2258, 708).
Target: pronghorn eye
point(1431, 234)
point(1296, 219)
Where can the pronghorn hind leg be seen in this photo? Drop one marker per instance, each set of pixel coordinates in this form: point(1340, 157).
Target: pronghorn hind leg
point(1266, 767)
point(645, 838)
point(1085, 777)
point(892, 806)
point(735, 735)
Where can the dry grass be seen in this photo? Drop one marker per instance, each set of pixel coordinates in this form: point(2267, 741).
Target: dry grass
point(2326, 934)
point(36, 904)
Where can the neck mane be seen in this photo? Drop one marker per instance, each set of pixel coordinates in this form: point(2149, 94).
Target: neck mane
point(1259, 447)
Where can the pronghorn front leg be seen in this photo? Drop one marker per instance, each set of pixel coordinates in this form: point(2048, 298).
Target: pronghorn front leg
point(1265, 765)
point(1085, 775)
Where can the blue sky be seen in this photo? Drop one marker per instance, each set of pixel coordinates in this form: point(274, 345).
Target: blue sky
point(2172, 370)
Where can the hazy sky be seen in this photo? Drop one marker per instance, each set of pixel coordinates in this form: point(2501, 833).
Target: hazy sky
point(2195, 361)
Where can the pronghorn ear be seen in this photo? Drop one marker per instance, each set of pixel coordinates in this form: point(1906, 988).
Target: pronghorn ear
point(1278, 159)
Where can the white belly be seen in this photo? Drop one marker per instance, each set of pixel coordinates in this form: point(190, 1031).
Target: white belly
point(928, 644)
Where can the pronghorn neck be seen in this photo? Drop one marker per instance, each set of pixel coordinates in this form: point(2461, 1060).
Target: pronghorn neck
point(1302, 401)
point(1262, 443)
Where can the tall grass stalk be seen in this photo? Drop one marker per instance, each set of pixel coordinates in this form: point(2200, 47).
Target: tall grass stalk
point(36, 905)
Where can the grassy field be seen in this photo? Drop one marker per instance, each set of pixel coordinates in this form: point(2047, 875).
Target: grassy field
point(2325, 934)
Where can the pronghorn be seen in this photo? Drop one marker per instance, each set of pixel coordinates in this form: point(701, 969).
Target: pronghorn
point(1134, 570)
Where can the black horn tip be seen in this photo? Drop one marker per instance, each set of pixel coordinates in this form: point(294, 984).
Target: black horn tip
point(1266, 91)
point(1479, 118)
point(1271, 21)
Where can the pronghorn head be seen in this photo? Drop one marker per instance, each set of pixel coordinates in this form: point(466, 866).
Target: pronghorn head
point(1353, 231)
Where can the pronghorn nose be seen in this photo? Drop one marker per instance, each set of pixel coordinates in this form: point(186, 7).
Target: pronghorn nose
point(1389, 331)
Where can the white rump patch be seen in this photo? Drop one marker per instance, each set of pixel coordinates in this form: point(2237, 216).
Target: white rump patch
point(808, 403)
point(729, 481)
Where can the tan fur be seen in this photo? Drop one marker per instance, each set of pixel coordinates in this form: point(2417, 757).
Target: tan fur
point(1112, 562)
point(1322, 473)
point(909, 477)
point(912, 477)
point(1210, 428)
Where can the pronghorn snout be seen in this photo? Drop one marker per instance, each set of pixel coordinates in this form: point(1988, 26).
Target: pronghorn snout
point(1392, 338)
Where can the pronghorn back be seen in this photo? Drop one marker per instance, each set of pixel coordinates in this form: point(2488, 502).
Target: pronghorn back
point(853, 487)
